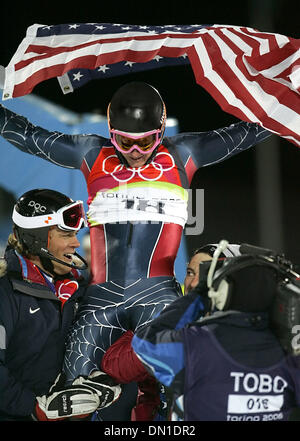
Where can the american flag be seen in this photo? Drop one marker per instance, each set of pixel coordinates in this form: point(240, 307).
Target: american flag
point(253, 75)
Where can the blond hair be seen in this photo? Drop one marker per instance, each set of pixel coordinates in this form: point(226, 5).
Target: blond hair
point(16, 245)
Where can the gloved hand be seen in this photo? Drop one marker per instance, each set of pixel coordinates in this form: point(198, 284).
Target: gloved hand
point(66, 401)
point(166, 402)
point(107, 390)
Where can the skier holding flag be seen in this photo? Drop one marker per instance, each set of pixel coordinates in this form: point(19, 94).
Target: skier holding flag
point(136, 228)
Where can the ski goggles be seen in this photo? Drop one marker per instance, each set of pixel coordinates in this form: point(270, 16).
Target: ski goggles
point(71, 217)
point(127, 142)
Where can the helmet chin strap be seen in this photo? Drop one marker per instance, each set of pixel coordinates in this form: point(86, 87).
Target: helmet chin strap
point(152, 155)
point(121, 158)
point(44, 254)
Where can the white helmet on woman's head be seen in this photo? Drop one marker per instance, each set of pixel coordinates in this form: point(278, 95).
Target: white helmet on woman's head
point(39, 209)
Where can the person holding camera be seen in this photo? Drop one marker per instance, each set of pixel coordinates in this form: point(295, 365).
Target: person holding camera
point(224, 345)
point(203, 254)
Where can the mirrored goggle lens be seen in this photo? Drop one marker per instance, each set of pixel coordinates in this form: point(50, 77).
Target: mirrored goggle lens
point(74, 216)
point(143, 143)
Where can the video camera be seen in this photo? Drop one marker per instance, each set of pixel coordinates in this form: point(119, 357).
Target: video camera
point(219, 278)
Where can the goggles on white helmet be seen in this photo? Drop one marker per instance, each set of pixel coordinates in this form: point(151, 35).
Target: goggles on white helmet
point(71, 217)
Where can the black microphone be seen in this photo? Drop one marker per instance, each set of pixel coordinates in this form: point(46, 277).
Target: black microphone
point(246, 248)
point(46, 253)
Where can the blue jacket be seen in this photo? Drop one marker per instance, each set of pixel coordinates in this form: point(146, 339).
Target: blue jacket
point(229, 367)
point(33, 330)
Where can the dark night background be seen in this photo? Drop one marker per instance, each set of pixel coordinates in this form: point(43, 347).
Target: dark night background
point(232, 207)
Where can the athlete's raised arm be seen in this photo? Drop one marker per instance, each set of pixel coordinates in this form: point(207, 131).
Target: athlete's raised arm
point(200, 149)
point(60, 149)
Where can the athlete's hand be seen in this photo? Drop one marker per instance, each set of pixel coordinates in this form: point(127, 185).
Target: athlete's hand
point(103, 385)
point(66, 401)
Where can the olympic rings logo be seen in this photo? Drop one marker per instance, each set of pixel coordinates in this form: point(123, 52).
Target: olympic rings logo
point(145, 172)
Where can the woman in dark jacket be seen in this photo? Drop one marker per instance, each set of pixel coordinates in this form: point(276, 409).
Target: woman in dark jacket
point(40, 286)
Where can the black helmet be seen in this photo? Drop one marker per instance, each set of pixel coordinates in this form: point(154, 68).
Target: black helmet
point(136, 108)
point(231, 250)
point(39, 209)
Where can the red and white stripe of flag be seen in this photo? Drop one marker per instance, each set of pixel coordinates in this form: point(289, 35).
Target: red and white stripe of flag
point(251, 74)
